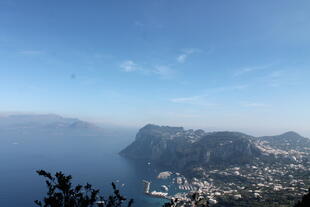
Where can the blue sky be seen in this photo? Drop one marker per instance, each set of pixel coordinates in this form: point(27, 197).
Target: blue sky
point(235, 65)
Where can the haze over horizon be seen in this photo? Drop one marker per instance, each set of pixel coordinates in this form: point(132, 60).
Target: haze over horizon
point(55, 118)
point(176, 63)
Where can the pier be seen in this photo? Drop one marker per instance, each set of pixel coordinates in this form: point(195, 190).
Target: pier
point(156, 194)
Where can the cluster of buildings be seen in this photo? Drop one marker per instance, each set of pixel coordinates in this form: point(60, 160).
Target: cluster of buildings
point(191, 135)
point(257, 180)
point(254, 180)
point(292, 154)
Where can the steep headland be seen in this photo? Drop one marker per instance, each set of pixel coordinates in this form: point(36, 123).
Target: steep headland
point(180, 149)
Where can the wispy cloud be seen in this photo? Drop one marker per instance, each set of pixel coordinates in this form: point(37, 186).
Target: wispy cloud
point(245, 70)
point(276, 78)
point(165, 72)
point(204, 99)
point(129, 66)
point(185, 54)
point(201, 100)
point(228, 88)
point(190, 99)
point(253, 104)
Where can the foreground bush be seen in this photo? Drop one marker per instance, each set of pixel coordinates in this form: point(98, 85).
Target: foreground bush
point(61, 193)
point(305, 201)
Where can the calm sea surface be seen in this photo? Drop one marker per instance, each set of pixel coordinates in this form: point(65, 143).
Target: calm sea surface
point(92, 159)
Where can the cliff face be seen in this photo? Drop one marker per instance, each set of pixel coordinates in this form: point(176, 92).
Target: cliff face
point(154, 142)
point(181, 149)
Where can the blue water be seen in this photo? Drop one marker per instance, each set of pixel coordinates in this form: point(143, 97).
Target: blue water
point(92, 159)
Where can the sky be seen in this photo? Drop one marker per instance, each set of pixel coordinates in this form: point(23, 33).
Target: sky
point(214, 64)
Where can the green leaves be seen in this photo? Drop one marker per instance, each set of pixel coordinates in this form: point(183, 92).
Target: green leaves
point(61, 193)
point(45, 174)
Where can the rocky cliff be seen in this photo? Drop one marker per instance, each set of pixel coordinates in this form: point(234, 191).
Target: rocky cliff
point(184, 149)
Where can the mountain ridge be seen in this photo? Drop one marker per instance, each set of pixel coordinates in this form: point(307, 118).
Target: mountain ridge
point(182, 149)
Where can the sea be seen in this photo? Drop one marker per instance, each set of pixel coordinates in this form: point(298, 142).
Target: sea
point(89, 159)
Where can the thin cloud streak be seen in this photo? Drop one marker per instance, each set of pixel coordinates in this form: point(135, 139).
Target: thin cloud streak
point(186, 53)
point(227, 89)
point(129, 66)
point(200, 100)
point(203, 100)
point(163, 71)
point(254, 104)
point(246, 70)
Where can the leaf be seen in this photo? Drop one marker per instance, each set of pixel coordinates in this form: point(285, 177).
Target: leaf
point(39, 203)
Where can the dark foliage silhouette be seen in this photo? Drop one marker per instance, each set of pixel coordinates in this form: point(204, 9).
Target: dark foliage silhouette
point(61, 193)
point(305, 201)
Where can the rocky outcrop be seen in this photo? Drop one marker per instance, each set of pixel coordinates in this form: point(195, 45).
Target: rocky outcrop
point(182, 149)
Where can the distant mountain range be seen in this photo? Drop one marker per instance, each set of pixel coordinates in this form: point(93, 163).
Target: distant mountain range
point(47, 120)
point(179, 149)
point(14, 128)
